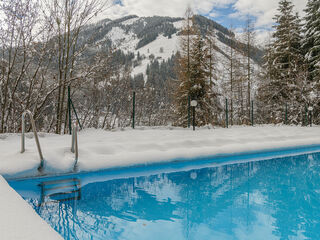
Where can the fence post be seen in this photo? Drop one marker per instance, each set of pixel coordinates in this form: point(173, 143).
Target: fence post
point(133, 108)
point(189, 100)
point(231, 111)
point(69, 110)
point(252, 112)
point(227, 123)
point(286, 114)
point(194, 117)
point(306, 115)
point(75, 112)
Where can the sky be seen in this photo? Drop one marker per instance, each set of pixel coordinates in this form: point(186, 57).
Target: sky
point(226, 12)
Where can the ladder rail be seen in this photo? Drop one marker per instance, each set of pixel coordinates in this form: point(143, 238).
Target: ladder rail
point(74, 144)
point(23, 129)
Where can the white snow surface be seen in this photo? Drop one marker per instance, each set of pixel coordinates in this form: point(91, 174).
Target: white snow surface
point(127, 42)
point(169, 45)
point(18, 221)
point(130, 21)
point(99, 149)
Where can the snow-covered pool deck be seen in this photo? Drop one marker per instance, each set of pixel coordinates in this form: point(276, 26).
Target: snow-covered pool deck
point(104, 149)
point(18, 221)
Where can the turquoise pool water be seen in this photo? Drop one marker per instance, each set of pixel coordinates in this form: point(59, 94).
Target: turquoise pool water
point(273, 199)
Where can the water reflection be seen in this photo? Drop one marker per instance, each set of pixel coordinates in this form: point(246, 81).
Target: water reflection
point(274, 199)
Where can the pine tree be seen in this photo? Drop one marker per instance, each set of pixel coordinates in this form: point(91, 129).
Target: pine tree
point(287, 39)
point(284, 64)
point(311, 50)
point(311, 41)
point(195, 83)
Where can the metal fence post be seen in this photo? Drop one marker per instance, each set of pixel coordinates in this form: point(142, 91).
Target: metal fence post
point(306, 115)
point(75, 112)
point(133, 108)
point(189, 100)
point(227, 123)
point(194, 118)
point(69, 110)
point(252, 112)
point(286, 115)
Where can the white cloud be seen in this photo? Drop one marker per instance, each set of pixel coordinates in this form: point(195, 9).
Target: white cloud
point(263, 10)
point(173, 8)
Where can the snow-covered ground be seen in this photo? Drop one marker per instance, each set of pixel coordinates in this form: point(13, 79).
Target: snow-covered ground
point(100, 149)
point(18, 221)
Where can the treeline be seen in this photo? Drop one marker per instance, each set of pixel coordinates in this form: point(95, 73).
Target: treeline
point(284, 89)
point(290, 80)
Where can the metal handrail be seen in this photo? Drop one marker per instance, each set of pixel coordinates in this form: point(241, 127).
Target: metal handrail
point(74, 144)
point(33, 125)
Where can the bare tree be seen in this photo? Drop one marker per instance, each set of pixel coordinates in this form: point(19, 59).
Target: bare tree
point(66, 19)
point(22, 62)
point(249, 38)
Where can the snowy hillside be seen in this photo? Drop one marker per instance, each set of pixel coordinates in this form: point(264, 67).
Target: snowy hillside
point(150, 38)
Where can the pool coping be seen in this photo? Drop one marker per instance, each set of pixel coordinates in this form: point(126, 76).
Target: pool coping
point(178, 164)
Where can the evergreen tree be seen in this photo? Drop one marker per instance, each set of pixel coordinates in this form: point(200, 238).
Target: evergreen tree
point(196, 84)
point(284, 63)
point(311, 41)
point(287, 39)
point(311, 48)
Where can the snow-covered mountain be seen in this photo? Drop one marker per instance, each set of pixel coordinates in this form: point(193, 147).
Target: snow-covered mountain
point(145, 39)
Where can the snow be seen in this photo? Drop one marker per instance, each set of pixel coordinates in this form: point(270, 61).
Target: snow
point(127, 42)
point(18, 220)
point(170, 46)
point(141, 68)
point(178, 24)
point(99, 149)
point(130, 21)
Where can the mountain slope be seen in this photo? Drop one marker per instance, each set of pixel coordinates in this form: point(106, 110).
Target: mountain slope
point(148, 39)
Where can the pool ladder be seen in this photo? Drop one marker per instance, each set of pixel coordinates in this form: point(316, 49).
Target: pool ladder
point(74, 144)
point(23, 129)
point(60, 190)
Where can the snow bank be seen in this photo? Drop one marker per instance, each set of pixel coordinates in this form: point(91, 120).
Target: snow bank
point(100, 149)
point(18, 220)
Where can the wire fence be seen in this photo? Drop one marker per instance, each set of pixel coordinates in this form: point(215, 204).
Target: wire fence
point(139, 110)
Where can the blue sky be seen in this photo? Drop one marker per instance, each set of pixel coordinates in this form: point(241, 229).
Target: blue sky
point(222, 16)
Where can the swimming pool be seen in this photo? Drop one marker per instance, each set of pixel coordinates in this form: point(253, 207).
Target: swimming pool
point(274, 199)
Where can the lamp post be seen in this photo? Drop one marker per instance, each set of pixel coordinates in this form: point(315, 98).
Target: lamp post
point(194, 103)
point(310, 109)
